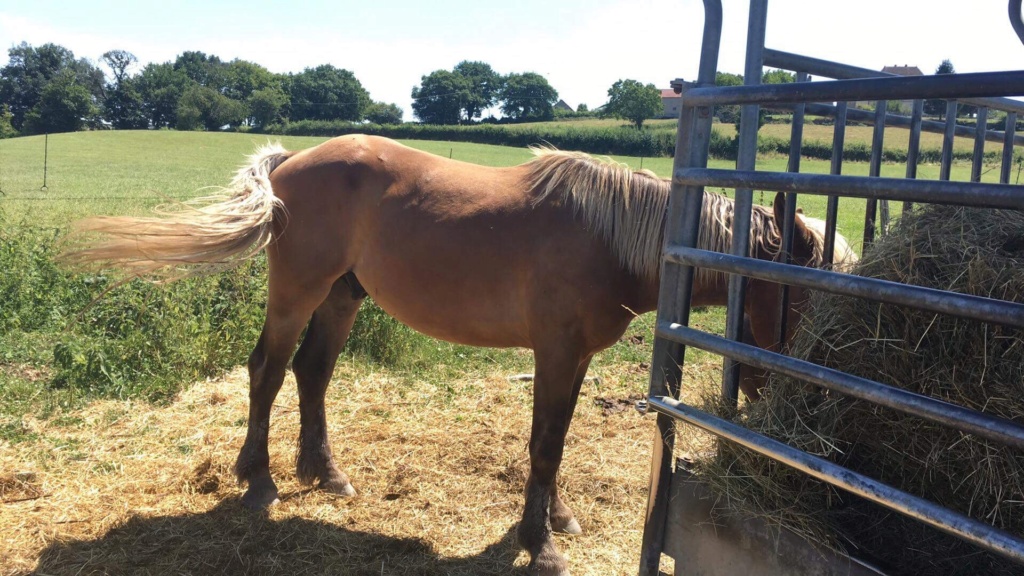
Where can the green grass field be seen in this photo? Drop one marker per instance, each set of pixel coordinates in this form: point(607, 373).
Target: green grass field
point(51, 338)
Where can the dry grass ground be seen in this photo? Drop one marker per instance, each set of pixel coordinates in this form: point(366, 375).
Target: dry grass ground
point(130, 488)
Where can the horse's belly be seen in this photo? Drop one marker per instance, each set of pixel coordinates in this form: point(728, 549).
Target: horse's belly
point(450, 308)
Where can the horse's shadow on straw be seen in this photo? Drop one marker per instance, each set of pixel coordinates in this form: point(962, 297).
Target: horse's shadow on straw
point(229, 540)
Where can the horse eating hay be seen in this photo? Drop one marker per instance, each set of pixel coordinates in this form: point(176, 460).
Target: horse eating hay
point(555, 255)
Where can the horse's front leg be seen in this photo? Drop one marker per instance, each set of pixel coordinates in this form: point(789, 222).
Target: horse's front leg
point(561, 516)
point(554, 391)
point(313, 366)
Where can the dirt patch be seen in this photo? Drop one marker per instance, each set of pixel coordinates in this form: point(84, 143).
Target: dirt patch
point(26, 372)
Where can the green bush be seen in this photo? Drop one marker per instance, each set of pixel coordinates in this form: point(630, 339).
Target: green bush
point(144, 340)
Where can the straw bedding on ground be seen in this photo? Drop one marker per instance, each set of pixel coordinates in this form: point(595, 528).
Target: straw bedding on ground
point(131, 488)
point(977, 365)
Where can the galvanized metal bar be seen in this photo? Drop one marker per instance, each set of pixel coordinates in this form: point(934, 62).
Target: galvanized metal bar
point(685, 205)
point(914, 146)
point(853, 114)
point(796, 139)
point(832, 206)
point(827, 69)
point(982, 195)
point(874, 170)
point(978, 161)
point(956, 417)
point(978, 533)
point(1008, 139)
point(929, 299)
point(1015, 19)
point(746, 159)
point(944, 86)
point(946, 165)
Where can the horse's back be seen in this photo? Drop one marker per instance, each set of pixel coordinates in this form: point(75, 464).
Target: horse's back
point(454, 250)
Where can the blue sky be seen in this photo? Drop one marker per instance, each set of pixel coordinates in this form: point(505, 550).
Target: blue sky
point(581, 46)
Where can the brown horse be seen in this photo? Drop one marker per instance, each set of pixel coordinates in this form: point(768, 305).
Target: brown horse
point(556, 255)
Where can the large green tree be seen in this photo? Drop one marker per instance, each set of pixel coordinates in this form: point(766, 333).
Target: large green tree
point(6, 128)
point(528, 97)
point(458, 95)
point(204, 69)
point(30, 70)
point(161, 87)
point(202, 107)
point(119, 61)
point(327, 93)
point(242, 81)
point(438, 98)
point(484, 85)
point(777, 77)
point(267, 106)
point(937, 107)
point(384, 113)
point(729, 113)
point(122, 102)
point(241, 78)
point(123, 106)
point(634, 101)
point(64, 105)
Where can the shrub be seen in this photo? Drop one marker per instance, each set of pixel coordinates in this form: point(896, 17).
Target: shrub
point(144, 340)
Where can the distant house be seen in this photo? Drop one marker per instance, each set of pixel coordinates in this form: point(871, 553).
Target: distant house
point(903, 70)
point(905, 106)
point(563, 106)
point(671, 103)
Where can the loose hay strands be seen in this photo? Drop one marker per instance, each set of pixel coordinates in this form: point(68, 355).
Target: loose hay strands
point(977, 365)
point(135, 488)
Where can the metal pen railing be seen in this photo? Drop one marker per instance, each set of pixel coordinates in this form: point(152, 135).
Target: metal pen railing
point(691, 175)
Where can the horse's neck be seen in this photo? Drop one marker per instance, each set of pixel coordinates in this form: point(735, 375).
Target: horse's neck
point(711, 290)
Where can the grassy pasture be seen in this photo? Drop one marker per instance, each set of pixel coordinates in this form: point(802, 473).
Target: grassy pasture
point(99, 480)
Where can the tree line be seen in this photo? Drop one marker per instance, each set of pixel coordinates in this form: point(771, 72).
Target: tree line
point(47, 89)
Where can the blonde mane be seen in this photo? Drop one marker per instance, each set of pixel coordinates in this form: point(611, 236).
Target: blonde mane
point(628, 209)
point(843, 256)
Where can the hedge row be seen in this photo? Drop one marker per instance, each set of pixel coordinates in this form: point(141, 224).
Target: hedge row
point(618, 140)
point(623, 141)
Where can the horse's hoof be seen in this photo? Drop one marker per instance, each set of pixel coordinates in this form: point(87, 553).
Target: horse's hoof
point(262, 492)
point(257, 500)
point(548, 563)
point(553, 571)
point(573, 527)
point(340, 488)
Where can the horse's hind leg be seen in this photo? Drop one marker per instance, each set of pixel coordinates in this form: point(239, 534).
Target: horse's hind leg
point(288, 310)
point(313, 365)
point(553, 389)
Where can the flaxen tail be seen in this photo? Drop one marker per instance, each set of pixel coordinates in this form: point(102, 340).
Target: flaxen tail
point(203, 236)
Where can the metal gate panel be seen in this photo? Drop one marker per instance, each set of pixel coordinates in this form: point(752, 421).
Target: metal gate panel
point(691, 175)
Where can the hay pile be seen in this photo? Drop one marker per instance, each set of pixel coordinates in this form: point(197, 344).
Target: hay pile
point(131, 488)
point(972, 364)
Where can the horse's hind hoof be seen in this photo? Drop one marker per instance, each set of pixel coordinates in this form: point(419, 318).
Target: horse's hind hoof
point(538, 571)
point(573, 528)
point(548, 562)
point(338, 487)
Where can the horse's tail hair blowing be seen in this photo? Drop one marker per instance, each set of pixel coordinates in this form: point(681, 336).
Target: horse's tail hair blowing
point(202, 236)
